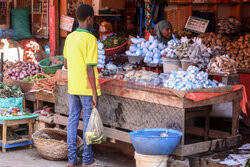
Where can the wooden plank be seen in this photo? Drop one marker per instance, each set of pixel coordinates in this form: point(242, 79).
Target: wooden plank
point(17, 141)
point(30, 96)
point(108, 132)
point(18, 122)
point(213, 145)
point(117, 134)
point(45, 97)
point(4, 137)
point(237, 95)
point(212, 133)
point(235, 117)
point(145, 96)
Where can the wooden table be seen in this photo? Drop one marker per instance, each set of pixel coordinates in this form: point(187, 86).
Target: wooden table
point(16, 143)
point(125, 107)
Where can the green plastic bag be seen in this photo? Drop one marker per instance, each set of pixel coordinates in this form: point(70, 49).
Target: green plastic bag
point(20, 20)
point(16, 102)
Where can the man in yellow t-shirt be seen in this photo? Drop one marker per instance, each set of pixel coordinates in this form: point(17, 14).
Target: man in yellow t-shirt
point(81, 57)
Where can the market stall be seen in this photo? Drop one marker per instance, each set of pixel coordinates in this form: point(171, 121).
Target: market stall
point(129, 107)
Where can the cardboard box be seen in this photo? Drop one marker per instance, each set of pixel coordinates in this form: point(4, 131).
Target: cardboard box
point(113, 4)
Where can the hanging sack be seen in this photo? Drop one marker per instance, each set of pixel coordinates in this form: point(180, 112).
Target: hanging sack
point(94, 132)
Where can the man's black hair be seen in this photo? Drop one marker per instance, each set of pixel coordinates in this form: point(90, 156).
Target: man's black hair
point(84, 11)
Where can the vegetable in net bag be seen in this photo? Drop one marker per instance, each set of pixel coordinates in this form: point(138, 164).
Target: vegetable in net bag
point(94, 132)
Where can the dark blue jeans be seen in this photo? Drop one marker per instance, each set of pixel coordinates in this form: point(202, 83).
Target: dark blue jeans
point(77, 103)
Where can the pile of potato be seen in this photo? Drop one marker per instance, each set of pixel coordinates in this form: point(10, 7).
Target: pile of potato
point(228, 26)
point(240, 51)
point(211, 40)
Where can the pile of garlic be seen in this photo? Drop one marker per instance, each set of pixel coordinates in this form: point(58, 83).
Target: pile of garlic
point(101, 55)
point(199, 54)
point(151, 50)
point(182, 51)
point(190, 79)
point(147, 78)
point(171, 49)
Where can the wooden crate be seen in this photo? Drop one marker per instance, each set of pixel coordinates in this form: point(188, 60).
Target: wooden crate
point(25, 86)
point(178, 16)
point(4, 14)
point(22, 3)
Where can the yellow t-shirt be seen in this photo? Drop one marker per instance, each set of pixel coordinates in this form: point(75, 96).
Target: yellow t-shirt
point(80, 50)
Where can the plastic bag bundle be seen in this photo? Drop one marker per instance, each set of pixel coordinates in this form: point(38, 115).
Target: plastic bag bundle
point(94, 132)
point(101, 55)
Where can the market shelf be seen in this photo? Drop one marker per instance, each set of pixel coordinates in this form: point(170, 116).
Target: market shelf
point(44, 13)
point(243, 70)
point(24, 139)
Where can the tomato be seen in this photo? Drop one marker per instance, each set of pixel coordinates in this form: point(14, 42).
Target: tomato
point(14, 111)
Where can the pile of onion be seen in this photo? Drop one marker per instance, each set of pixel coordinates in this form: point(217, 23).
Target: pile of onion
point(22, 70)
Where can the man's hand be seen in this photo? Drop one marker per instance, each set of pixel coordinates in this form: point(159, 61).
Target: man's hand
point(92, 79)
point(95, 101)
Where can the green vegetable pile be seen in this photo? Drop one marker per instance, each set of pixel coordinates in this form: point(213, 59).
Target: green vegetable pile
point(36, 77)
point(7, 91)
point(91, 138)
point(113, 42)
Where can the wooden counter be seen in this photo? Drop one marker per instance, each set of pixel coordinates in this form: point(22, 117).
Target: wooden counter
point(126, 107)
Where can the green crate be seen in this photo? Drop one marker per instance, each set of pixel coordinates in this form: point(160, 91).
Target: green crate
point(44, 64)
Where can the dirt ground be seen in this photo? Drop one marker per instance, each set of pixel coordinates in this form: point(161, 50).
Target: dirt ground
point(23, 157)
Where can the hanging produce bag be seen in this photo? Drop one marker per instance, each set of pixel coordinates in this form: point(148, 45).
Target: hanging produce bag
point(94, 132)
point(16, 102)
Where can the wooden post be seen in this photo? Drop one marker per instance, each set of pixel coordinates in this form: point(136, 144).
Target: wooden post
point(30, 132)
point(52, 32)
point(207, 122)
point(235, 117)
point(1, 68)
point(4, 137)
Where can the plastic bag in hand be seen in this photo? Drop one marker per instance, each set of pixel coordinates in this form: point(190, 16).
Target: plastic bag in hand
point(94, 132)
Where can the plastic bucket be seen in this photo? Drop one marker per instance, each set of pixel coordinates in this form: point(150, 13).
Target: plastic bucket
point(151, 160)
point(185, 63)
point(171, 64)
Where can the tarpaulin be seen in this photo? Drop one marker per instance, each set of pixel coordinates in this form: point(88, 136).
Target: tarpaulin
point(203, 96)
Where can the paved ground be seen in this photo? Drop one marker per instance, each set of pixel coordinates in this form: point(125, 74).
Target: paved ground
point(23, 157)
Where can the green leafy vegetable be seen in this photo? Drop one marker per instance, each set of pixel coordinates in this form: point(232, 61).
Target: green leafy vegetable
point(113, 42)
point(7, 91)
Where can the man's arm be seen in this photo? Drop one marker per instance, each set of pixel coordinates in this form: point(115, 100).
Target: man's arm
point(92, 80)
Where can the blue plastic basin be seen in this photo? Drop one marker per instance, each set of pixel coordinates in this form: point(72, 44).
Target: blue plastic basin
point(149, 141)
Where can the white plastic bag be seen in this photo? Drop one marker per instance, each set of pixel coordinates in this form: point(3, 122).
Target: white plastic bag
point(94, 132)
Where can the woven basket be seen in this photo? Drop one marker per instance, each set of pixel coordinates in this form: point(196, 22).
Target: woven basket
point(116, 50)
point(52, 143)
